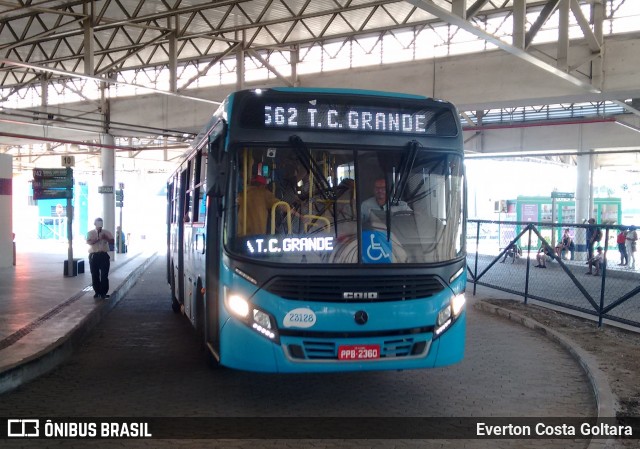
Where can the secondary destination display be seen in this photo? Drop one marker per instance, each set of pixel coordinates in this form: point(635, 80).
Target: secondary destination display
point(290, 244)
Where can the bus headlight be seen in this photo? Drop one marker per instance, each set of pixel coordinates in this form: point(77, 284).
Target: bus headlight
point(257, 319)
point(444, 320)
point(261, 318)
point(448, 314)
point(238, 306)
point(457, 303)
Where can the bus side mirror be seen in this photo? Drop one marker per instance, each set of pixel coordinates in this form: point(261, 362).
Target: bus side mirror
point(217, 169)
point(217, 173)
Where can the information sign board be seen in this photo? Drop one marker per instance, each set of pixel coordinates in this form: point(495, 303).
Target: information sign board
point(53, 183)
point(52, 194)
point(52, 172)
point(568, 195)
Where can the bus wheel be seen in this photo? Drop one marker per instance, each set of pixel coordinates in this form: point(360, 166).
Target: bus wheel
point(175, 305)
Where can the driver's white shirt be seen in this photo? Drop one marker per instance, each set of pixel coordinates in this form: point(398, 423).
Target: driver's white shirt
point(371, 204)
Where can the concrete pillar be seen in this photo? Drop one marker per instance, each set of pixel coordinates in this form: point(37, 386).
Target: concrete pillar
point(6, 217)
point(295, 58)
point(583, 213)
point(598, 16)
point(519, 23)
point(240, 60)
point(173, 56)
point(109, 180)
point(89, 45)
point(459, 8)
point(563, 35)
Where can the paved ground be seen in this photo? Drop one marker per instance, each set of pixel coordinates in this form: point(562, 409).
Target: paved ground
point(615, 351)
point(143, 360)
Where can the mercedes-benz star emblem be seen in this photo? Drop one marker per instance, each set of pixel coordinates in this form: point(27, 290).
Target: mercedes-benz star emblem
point(361, 317)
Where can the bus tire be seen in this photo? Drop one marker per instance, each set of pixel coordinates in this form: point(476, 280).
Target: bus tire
point(175, 305)
point(199, 311)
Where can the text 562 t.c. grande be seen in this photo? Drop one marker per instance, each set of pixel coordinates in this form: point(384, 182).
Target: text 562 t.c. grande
point(346, 119)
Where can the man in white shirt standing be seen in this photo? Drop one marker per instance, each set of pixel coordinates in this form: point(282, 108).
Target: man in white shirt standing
point(99, 260)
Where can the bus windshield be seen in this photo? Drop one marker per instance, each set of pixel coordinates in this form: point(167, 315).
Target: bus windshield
point(293, 204)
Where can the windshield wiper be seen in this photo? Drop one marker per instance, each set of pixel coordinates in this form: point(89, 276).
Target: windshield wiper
point(405, 170)
point(310, 165)
point(394, 193)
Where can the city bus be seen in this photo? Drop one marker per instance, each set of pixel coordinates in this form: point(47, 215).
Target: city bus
point(322, 230)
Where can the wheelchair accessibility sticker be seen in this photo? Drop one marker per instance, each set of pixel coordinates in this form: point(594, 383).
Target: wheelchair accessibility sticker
point(375, 247)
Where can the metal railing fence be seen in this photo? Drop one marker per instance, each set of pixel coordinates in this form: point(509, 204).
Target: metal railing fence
point(504, 255)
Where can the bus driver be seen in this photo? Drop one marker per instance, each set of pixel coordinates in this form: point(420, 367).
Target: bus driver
point(379, 201)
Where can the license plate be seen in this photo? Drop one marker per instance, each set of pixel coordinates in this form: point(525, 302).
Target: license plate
point(358, 352)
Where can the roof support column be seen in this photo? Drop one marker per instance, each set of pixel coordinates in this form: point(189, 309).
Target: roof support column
point(108, 180)
point(563, 35)
point(584, 188)
point(519, 23)
point(598, 21)
point(89, 41)
point(108, 164)
point(459, 8)
point(44, 91)
point(6, 218)
point(295, 58)
point(240, 63)
point(173, 58)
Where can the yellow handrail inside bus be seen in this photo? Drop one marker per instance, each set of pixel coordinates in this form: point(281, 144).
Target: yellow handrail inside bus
point(273, 216)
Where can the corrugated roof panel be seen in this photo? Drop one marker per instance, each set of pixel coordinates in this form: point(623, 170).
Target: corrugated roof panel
point(274, 35)
point(400, 11)
point(276, 11)
point(300, 33)
point(380, 19)
point(357, 17)
point(317, 24)
point(338, 26)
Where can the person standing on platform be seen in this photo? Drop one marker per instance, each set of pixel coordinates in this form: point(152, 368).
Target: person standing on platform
point(594, 235)
point(99, 240)
point(622, 247)
point(632, 238)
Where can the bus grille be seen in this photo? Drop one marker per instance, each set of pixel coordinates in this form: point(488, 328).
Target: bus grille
point(332, 288)
point(327, 350)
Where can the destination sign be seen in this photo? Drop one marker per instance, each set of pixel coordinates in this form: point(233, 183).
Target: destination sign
point(290, 244)
point(52, 194)
point(359, 119)
point(53, 183)
point(52, 172)
point(565, 195)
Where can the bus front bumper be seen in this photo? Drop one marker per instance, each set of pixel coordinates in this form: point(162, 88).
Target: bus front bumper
point(297, 354)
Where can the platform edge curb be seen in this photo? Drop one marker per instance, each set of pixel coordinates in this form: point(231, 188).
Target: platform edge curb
point(59, 351)
point(605, 399)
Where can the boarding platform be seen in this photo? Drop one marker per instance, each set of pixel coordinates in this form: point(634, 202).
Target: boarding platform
point(45, 314)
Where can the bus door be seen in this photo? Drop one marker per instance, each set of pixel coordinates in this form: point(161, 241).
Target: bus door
point(217, 170)
point(180, 224)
